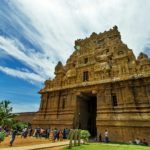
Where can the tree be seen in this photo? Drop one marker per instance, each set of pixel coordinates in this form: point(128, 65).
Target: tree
point(2, 136)
point(20, 125)
point(6, 115)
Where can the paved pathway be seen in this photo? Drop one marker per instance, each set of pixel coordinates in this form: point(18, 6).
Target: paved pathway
point(38, 146)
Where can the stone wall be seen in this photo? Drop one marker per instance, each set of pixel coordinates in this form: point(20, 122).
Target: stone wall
point(25, 116)
point(131, 117)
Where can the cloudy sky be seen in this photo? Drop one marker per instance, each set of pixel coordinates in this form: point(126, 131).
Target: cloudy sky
point(36, 34)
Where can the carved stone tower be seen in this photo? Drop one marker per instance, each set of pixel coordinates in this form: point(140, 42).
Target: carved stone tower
point(102, 86)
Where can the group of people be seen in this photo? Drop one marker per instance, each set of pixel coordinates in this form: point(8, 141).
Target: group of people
point(60, 134)
point(52, 134)
point(138, 141)
point(106, 138)
point(26, 132)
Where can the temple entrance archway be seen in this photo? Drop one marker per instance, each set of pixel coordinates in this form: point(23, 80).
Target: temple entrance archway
point(86, 111)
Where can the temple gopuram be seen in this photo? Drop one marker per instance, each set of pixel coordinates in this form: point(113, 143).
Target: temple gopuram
point(103, 86)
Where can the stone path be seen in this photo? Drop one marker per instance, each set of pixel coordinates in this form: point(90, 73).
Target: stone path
point(38, 146)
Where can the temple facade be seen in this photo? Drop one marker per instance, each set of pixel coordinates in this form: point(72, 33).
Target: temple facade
point(102, 86)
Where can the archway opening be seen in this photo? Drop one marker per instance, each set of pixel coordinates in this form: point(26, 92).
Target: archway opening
point(86, 108)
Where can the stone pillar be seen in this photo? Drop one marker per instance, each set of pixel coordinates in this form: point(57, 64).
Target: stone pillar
point(41, 103)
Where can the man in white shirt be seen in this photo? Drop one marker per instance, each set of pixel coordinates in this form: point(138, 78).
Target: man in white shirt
point(137, 141)
point(106, 136)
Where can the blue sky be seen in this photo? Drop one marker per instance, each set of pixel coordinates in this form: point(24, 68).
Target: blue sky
point(35, 35)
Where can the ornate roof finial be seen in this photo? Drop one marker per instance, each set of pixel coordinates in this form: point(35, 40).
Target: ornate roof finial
point(59, 67)
point(115, 28)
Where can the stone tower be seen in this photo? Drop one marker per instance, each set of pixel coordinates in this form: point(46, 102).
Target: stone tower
point(102, 86)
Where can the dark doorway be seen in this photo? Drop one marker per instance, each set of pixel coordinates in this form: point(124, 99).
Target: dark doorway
point(86, 111)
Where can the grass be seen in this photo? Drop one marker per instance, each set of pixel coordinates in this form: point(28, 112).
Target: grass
point(99, 146)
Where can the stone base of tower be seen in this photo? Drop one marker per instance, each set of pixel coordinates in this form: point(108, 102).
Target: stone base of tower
point(125, 127)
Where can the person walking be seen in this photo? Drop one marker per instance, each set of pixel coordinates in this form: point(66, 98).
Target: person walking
point(13, 136)
point(60, 135)
point(30, 131)
point(52, 135)
point(100, 137)
point(47, 133)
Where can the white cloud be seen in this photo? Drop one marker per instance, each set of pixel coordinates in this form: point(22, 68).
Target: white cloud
point(60, 22)
point(37, 61)
point(32, 77)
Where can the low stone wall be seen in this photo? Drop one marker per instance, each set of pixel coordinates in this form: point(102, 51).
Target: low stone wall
point(25, 116)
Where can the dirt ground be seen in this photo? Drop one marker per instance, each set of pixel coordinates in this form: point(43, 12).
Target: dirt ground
point(24, 142)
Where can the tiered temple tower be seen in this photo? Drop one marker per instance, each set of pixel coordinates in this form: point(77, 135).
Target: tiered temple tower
point(102, 86)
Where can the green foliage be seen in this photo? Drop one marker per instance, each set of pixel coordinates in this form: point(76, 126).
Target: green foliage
point(77, 135)
point(6, 115)
point(71, 137)
point(19, 126)
point(70, 133)
point(85, 135)
point(2, 136)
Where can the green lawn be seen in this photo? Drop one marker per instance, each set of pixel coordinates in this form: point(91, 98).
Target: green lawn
point(99, 146)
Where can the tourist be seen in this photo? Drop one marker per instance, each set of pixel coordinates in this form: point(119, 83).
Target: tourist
point(25, 132)
point(42, 132)
point(13, 136)
point(30, 131)
point(52, 135)
point(60, 135)
point(67, 132)
point(137, 141)
point(35, 132)
point(56, 135)
point(47, 133)
point(144, 142)
point(37, 135)
point(64, 134)
point(106, 136)
point(130, 142)
point(100, 137)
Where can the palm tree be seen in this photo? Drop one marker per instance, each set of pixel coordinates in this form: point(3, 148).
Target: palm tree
point(6, 115)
